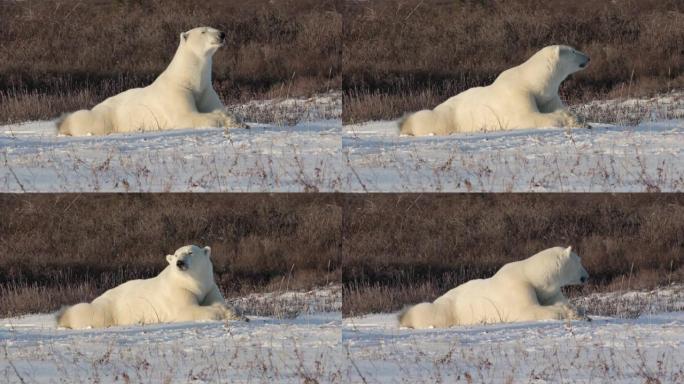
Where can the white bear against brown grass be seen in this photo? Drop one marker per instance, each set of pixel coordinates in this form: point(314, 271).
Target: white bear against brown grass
point(521, 97)
point(526, 290)
point(181, 97)
point(184, 291)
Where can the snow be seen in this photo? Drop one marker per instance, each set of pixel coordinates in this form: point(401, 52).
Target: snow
point(649, 348)
point(299, 145)
point(266, 158)
point(290, 110)
point(263, 350)
point(634, 303)
point(290, 304)
point(615, 157)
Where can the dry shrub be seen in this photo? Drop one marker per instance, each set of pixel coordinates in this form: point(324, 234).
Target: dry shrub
point(405, 55)
point(59, 56)
point(402, 249)
point(59, 249)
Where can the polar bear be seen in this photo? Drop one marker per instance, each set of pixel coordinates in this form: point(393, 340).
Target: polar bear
point(181, 97)
point(521, 97)
point(183, 291)
point(526, 290)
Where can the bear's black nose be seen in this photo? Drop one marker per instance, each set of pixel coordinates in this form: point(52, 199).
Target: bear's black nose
point(222, 35)
point(583, 279)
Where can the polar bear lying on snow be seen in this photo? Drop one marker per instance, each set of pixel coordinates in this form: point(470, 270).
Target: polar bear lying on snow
point(526, 290)
point(522, 97)
point(183, 291)
point(181, 97)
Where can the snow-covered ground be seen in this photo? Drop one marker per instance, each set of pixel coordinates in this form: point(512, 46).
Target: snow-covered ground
point(611, 157)
point(266, 158)
point(299, 145)
point(304, 349)
point(290, 304)
point(292, 110)
point(648, 349)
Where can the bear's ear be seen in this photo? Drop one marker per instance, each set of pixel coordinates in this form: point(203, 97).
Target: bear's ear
point(184, 36)
point(568, 251)
point(169, 259)
point(207, 251)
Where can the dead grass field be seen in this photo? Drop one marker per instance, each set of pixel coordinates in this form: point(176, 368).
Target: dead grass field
point(405, 248)
point(63, 248)
point(59, 56)
point(388, 250)
point(404, 55)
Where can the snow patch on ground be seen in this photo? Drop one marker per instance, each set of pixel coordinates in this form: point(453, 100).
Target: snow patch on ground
point(291, 304)
point(646, 349)
point(290, 111)
point(632, 111)
point(632, 304)
point(608, 157)
point(315, 154)
point(264, 350)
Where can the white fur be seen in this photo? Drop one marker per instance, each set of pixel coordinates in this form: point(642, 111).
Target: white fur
point(181, 97)
point(173, 295)
point(522, 97)
point(526, 290)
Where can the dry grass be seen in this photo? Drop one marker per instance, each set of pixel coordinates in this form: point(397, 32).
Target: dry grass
point(402, 249)
point(58, 56)
point(59, 249)
point(398, 249)
point(404, 55)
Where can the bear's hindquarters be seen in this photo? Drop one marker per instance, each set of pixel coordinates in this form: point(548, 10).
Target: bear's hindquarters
point(83, 123)
point(426, 315)
point(83, 315)
point(421, 123)
point(430, 122)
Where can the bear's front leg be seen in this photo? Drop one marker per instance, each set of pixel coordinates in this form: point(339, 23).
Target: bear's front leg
point(209, 120)
point(568, 312)
point(201, 120)
point(197, 313)
point(577, 313)
point(569, 120)
point(553, 105)
point(558, 298)
point(558, 119)
point(228, 313)
point(230, 121)
point(549, 312)
point(214, 298)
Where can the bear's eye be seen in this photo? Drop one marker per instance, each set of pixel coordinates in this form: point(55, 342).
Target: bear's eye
point(203, 31)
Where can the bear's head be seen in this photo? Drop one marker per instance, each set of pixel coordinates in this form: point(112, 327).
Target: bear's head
point(571, 270)
point(203, 41)
point(191, 261)
point(568, 59)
